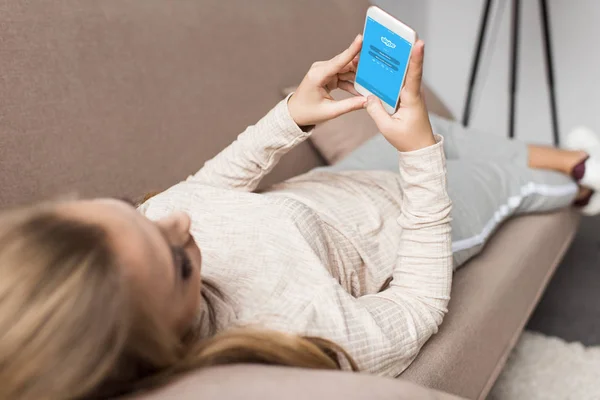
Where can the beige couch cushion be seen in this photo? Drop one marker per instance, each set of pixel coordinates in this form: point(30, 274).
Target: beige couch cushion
point(122, 97)
point(249, 382)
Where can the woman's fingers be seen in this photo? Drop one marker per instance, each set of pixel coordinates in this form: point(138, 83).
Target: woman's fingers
point(348, 87)
point(312, 103)
point(350, 67)
point(337, 64)
point(347, 76)
point(414, 74)
point(378, 114)
point(337, 108)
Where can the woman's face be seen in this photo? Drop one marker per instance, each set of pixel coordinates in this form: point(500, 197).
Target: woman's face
point(160, 259)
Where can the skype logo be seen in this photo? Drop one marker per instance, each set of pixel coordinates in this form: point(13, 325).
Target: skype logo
point(388, 42)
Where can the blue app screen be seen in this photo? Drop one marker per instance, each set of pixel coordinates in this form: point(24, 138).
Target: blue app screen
point(383, 62)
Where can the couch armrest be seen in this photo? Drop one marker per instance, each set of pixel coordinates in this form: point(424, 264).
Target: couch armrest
point(274, 383)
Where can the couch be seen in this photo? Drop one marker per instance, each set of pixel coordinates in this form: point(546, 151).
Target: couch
point(123, 97)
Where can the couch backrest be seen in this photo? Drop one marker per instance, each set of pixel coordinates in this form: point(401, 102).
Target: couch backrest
point(120, 97)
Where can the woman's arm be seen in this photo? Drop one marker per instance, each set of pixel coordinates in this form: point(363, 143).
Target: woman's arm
point(255, 153)
point(385, 331)
point(420, 290)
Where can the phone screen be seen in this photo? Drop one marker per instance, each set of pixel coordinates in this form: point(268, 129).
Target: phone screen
point(383, 61)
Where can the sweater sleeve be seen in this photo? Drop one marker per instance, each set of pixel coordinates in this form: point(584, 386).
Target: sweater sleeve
point(385, 331)
point(254, 153)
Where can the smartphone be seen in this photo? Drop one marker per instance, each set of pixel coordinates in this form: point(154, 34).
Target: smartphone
point(387, 45)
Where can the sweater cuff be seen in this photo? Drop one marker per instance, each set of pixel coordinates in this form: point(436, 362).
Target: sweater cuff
point(286, 124)
point(423, 180)
point(430, 159)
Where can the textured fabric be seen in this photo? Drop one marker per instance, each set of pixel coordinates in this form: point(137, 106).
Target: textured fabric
point(337, 138)
point(549, 368)
point(125, 97)
point(311, 255)
point(257, 382)
point(488, 181)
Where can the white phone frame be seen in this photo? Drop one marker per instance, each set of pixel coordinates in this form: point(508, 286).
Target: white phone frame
point(400, 29)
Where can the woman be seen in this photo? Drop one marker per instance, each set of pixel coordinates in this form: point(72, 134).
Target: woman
point(332, 269)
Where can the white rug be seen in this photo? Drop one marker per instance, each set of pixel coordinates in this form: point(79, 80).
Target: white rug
point(543, 367)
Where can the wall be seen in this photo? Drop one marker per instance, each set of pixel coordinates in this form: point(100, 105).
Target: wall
point(450, 31)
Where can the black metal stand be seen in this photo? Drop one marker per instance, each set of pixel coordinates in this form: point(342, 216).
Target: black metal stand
point(475, 67)
point(515, 27)
point(549, 68)
point(514, 59)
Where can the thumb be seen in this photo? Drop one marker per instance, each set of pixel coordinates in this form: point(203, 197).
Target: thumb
point(378, 113)
point(414, 74)
point(337, 108)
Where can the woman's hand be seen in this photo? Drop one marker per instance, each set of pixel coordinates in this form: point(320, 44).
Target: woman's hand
point(409, 128)
point(312, 102)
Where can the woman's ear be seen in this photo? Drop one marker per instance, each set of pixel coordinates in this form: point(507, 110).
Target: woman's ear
point(176, 227)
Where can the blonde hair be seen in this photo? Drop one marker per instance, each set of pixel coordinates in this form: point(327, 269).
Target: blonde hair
point(70, 327)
